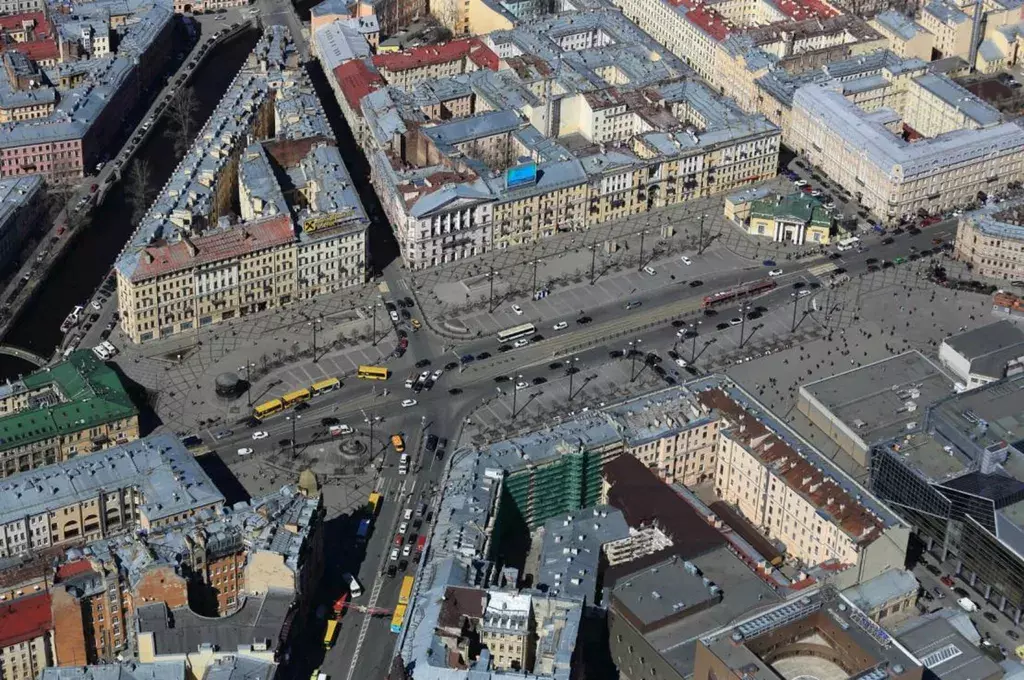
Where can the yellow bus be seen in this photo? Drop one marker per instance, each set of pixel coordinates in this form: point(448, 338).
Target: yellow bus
point(296, 397)
point(268, 408)
point(375, 499)
point(325, 385)
point(406, 592)
point(373, 373)
point(331, 633)
point(398, 619)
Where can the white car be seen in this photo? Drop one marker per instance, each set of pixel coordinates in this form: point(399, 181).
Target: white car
point(517, 309)
point(101, 352)
point(560, 326)
point(394, 554)
point(407, 515)
point(800, 183)
point(650, 271)
point(338, 430)
point(803, 293)
point(521, 342)
point(406, 403)
point(436, 374)
point(260, 434)
point(244, 452)
point(681, 362)
point(424, 375)
point(394, 316)
point(96, 305)
point(406, 549)
point(522, 385)
point(111, 350)
point(687, 261)
point(775, 272)
point(403, 527)
point(735, 321)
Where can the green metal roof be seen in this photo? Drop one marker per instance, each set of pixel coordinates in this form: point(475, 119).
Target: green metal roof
point(797, 207)
point(94, 396)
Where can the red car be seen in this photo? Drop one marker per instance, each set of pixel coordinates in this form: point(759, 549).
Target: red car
point(93, 188)
point(398, 540)
point(947, 581)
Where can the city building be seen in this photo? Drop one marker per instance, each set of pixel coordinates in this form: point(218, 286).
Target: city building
point(796, 495)
point(796, 218)
point(557, 124)
point(984, 355)
point(21, 6)
point(73, 408)
point(191, 263)
point(991, 240)
point(936, 641)
point(868, 153)
point(209, 565)
point(957, 480)
point(119, 671)
point(147, 484)
point(887, 599)
point(821, 633)
point(25, 637)
point(21, 206)
point(64, 97)
point(875, 402)
point(907, 38)
point(573, 545)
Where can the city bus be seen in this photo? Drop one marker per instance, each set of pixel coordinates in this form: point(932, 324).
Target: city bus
point(331, 633)
point(373, 373)
point(406, 592)
point(325, 385)
point(296, 397)
point(737, 292)
point(267, 409)
point(516, 332)
point(398, 618)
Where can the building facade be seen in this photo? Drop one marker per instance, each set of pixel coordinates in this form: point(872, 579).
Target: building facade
point(991, 240)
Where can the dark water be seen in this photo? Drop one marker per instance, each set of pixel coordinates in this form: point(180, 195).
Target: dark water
point(91, 257)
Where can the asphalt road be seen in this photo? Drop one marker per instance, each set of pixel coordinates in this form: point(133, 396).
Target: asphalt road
point(365, 640)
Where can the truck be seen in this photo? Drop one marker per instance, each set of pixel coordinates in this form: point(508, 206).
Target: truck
point(967, 604)
point(421, 543)
point(363, 532)
point(374, 503)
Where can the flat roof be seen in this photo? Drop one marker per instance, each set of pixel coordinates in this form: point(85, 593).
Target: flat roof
point(989, 348)
point(872, 400)
point(571, 550)
point(990, 414)
point(945, 651)
point(130, 670)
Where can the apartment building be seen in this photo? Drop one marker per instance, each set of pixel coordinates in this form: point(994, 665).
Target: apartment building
point(21, 6)
point(25, 637)
point(21, 202)
point(991, 239)
point(192, 263)
point(431, 62)
point(148, 484)
point(791, 497)
point(796, 218)
point(77, 407)
point(507, 630)
point(867, 154)
point(61, 130)
point(476, 162)
point(907, 38)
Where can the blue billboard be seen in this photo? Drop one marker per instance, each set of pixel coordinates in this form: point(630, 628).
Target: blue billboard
point(521, 175)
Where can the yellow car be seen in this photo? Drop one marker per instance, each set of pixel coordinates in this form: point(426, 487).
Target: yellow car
point(415, 324)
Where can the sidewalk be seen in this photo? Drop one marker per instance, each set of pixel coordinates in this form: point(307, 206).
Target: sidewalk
point(461, 292)
point(277, 346)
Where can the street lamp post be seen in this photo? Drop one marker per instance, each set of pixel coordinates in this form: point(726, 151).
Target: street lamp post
point(535, 262)
point(795, 299)
point(374, 324)
point(693, 351)
point(490, 301)
point(572, 372)
point(593, 261)
point(643, 233)
point(248, 382)
point(743, 322)
point(633, 354)
point(515, 394)
point(294, 420)
point(700, 239)
point(315, 324)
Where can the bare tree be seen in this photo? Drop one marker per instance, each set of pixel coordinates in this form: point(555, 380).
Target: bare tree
point(182, 112)
point(138, 191)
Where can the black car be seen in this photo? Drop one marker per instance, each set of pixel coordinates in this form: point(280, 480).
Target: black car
point(653, 358)
point(483, 355)
point(886, 264)
point(722, 326)
point(991, 617)
point(871, 260)
point(501, 378)
point(913, 256)
point(873, 267)
point(302, 406)
point(392, 570)
point(690, 334)
point(555, 365)
point(960, 592)
point(616, 354)
point(583, 320)
point(390, 306)
point(659, 370)
point(284, 443)
point(898, 230)
point(455, 390)
point(572, 370)
point(887, 240)
point(925, 253)
point(400, 302)
point(678, 323)
point(797, 285)
point(696, 283)
point(933, 570)
point(672, 354)
point(422, 362)
point(537, 338)
point(329, 421)
point(539, 380)
point(633, 304)
point(913, 231)
point(402, 333)
point(403, 565)
point(753, 315)
point(504, 348)
point(432, 443)
point(451, 366)
point(408, 302)
point(834, 256)
point(710, 312)
point(1012, 634)
point(406, 315)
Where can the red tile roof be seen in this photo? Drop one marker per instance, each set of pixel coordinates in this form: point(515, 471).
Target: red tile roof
point(356, 80)
point(37, 50)
point(24, 619)
point(427, 55)
point(710, 21)
point(785, 463)
point(14, 22)
point(806, 9)
point(70, 569)
point(217, 245)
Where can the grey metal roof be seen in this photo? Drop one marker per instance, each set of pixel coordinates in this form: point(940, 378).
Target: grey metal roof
point(946, 653)
point(170, 480)
point(900, 24)
point(15, 194)
point(882, 589)
point(571, 550)
point(338, 42)
point(982, 113)
point(990, 347)
point(256, 626)
point(240, 668)
point(161, 670)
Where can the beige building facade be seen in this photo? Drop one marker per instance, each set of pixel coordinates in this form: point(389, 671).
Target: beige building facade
point(991, 240)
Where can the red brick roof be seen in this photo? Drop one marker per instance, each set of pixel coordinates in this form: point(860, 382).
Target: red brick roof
point(14, 22)
point(710, 21)
point(217, 245)
point(472, 48)
point(819, 489)
point(24, 619)
point(806, 9)
point(37, 50)
point(71, 569)
point(356, 80)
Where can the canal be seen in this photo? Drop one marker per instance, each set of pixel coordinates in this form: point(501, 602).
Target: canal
point(94, 250)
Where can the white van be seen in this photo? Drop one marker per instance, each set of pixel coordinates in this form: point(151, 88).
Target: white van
point(967, 604)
